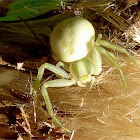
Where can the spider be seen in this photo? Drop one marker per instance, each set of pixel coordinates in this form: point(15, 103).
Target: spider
point(73, 45)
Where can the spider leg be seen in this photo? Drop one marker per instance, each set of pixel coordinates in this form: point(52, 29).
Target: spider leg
point(114, 47)
point(97, 61)
point(112, 60)
point(63, 65)
point(54, 83)
point(41, 70)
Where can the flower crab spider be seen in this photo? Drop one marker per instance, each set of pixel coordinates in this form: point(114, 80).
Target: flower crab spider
point(73, 43)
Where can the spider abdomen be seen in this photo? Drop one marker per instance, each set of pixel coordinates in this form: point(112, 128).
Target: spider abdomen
point(72, 39)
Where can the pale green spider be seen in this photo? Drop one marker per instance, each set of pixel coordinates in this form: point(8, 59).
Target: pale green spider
point(73, 43)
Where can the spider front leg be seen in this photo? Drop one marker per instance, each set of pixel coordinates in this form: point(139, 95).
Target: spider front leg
point(54, 83)
point(61, 82)
point(109, 56)
point(112, 60)
point(114, 47)
point(97, 61)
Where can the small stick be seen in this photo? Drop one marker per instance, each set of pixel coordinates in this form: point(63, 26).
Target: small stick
point(32, 31)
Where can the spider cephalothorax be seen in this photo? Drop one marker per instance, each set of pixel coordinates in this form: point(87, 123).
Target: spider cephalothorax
point(73, 43)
